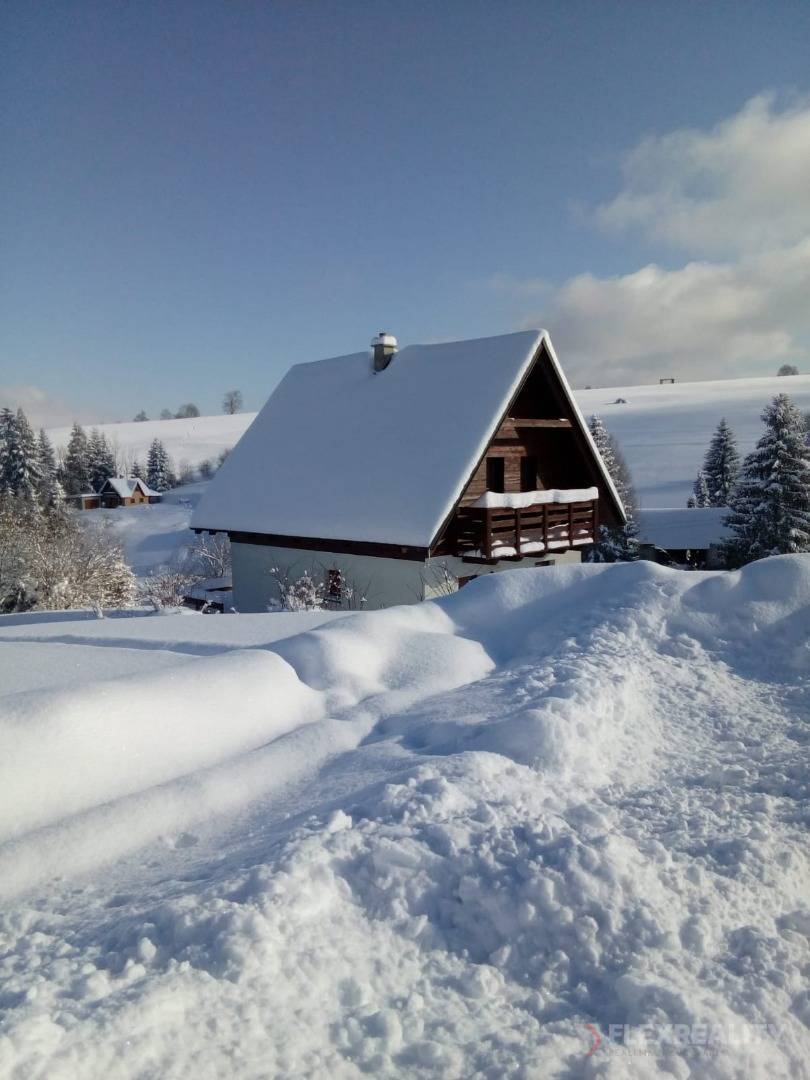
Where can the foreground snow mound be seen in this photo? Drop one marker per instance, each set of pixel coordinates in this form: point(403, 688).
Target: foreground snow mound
point(552, 826)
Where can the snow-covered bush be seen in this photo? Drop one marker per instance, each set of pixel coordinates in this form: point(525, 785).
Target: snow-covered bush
point(170, 585)
point(210, 556)
point(301, 593)
point(48, 562)
point(439, 580)
point(317, 587)
point(167, 586)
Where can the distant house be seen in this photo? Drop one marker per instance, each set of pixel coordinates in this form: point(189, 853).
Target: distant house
point(684, 537)
point(392, 477)
point(117, 491)
point(126, 491)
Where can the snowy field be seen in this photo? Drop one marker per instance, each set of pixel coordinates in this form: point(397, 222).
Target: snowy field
point(187, 441)
point(450, 840)
point(152, 534)
point(663, 430)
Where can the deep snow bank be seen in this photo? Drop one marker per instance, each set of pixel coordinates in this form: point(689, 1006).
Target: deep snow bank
point(564, 799)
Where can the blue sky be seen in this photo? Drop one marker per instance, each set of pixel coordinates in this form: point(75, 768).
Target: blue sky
point(196, 195)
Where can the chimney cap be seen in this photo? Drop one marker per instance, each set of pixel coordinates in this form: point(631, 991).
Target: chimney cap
point(384, 338)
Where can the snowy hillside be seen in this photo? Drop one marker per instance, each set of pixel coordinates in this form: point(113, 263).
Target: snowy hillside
point(664, 430)
point(187, 441)
point(455, 839)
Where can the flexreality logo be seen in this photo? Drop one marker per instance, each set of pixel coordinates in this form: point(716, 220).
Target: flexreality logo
point(597, 1039)
point(704, 1037)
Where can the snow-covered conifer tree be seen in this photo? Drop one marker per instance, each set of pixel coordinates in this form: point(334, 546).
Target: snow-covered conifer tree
point(8, 429)
point(700, 491)
point(101, 460)
point(158, 467)
point(76, 472)
point(604, 444)
point(721, 465)
point(30, 473)
point(770, 507)
point(19, 461)
point(615, 544)
point(50, 490)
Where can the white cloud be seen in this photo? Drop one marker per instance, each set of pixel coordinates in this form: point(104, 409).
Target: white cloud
point(41, 408)
point(705, 320)
point(739, 193)
point(742, 186)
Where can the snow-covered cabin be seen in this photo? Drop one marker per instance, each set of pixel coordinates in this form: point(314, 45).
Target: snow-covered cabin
point(684, 536)
point(126, 491)
point(392, 477)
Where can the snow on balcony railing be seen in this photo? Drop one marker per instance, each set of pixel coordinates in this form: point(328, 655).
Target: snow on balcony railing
point(513, 525)
point(516, 500)
point(503, 550)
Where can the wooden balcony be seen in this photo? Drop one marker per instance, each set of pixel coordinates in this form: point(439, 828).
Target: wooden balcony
point(488, 534)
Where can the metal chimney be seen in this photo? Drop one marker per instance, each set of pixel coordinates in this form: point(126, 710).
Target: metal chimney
point(383, 347)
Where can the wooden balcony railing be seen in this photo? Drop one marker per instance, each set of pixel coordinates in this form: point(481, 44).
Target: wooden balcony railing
point(491, 533)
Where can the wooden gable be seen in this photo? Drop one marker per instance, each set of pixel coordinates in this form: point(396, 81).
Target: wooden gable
point(538, 444)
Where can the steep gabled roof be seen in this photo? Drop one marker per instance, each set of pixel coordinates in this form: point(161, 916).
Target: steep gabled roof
point(124, 486)
point(341, 452)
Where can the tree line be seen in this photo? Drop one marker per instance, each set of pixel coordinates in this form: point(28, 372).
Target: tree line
point(27, 461)
point(47, 560)
point(30, 467)
point(231, 403)
point(766, 495)
point(50, 558)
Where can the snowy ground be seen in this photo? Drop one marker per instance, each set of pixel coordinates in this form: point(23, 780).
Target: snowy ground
point(154, 534)
point(663, 430)
point(455, 839)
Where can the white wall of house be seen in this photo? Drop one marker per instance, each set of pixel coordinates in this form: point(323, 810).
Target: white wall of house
point(382, 582)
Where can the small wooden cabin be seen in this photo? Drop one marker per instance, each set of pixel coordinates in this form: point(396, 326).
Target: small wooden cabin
point(399, 473)
point(683, 536)
point(88, 500)
point(126, 491)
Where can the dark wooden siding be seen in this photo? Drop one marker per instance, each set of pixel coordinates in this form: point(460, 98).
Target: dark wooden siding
point(551, 435)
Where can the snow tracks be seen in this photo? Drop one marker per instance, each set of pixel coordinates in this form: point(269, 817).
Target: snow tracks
point(554, 826)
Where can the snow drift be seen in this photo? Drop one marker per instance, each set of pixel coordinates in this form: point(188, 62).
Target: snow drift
point(554, 825)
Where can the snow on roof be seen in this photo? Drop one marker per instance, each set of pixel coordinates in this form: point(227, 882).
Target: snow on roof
point(124, 486)
point(676, 529)
point(341, 452)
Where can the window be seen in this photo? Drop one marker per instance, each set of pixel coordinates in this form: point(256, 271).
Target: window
point(334, 586)
point(495, 474)
point(528, 474)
